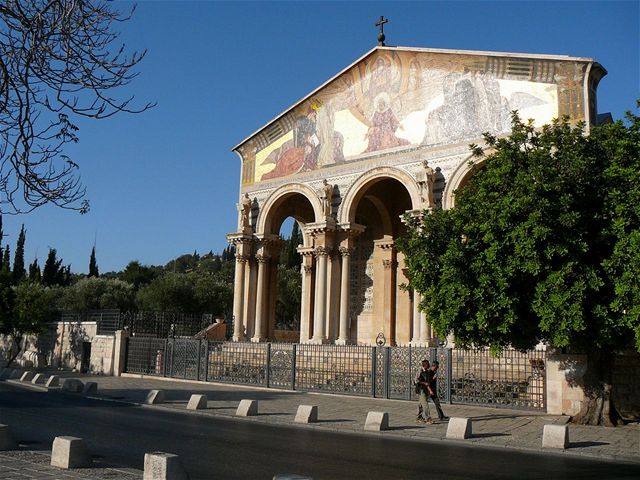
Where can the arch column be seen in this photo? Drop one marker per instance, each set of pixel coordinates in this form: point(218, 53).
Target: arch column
point(261, 293)
point(238, 298)
point(345, 292)
point(320, 315)
point(416, 317)
point(306, 300)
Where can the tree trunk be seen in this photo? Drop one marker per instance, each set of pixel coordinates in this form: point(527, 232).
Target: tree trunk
point(598, 407)
point(14, 351)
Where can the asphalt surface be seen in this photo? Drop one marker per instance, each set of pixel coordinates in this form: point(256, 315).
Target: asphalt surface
point(119, 434)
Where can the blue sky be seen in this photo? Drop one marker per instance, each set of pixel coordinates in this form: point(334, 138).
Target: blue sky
point(166, 182)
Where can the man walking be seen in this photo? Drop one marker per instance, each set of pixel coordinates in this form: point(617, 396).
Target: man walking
point(422, 383)
point(433, 389)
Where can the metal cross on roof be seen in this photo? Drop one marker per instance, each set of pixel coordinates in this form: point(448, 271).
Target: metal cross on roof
point(380, 24)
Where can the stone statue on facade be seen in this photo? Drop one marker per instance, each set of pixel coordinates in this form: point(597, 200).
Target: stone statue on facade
point(326, 195)
point(245, 212)
point(426, 179)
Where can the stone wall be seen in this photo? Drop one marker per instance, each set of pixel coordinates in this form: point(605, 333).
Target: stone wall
point(626, 381)
point(102, 354)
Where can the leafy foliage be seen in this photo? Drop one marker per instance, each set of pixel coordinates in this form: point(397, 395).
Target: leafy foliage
point(543, 243)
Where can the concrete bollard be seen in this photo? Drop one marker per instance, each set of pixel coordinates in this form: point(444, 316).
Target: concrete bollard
point(163, 466)
point(154, 397)
point(54, 381)
point(197, 402)
point(27, 376)
point(307, 414)
point(555, 436)
point(7, 442)
point(73, 385)
point(459, 428)
point(377, 421)
point(247, 408)
point(89, 388)
point(39, 379)
point(69, 452)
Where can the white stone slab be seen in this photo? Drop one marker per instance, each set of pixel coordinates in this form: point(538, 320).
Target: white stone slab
point(69, 452)
point(73, 385)
point(459, 428)
point(247, 408)
point(90, 388)
point(555, 436)
point(197, 402)
point(53, 381)
point(7, 442)
point(39, 379)
point(154, 397)
point(377, 421)
point(27, 376)
point(307, 414)
point(163, 466)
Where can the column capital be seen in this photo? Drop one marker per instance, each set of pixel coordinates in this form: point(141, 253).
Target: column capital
point(388, 264)
point(322, 251)
point(385, 244)
point(345, 251)
point(261, 258)
point(308, 269)
point(241, 258)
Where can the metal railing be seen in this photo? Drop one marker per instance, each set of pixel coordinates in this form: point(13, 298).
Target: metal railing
point(513, 379)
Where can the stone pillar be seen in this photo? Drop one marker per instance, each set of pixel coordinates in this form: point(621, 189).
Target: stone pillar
point(319, 318)
point(306, 300)
point(238, 298)
point(345, 293)
point(390, 266)
point(416, 317)
point(119, 352)
point(261, 291)
point(425, 329)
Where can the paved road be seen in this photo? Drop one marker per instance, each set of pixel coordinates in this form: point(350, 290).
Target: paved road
point(213, 447)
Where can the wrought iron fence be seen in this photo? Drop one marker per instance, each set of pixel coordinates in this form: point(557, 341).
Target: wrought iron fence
point(512, 379)
point(107, 321)
point(165, 324)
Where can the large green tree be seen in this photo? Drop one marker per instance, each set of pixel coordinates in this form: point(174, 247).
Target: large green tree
point(542, 245)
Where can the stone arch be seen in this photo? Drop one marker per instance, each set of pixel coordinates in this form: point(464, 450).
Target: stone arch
point(271, 204)
point(346, 212)
point(459, 178)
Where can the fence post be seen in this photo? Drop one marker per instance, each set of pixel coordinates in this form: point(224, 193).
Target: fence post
point(387, 372)
point(198, 360)
point(411, 386)
point(449, 373)
point(374, 373)
point(206, 360)
point(294, 355)
point(268, 372)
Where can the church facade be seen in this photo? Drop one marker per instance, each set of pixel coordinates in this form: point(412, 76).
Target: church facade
point(386, 137)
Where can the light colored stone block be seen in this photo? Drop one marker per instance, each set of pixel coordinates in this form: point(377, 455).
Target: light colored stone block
point(154, 397)
point(307, 414)
point(90, 388)
point(7, 442)
point(377, 421)
point(247, 408)
point(197, 402)
point(73, 385)
point(69, 452)
point(163, 466)
point(53, 381)
point(555, 436)
point(27, 376)
point(459, 428)
point(39, 379)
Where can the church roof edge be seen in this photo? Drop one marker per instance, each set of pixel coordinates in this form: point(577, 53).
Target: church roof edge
point(414, 49)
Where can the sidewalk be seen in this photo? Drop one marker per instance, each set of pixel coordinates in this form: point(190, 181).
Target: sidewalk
point(493, 427)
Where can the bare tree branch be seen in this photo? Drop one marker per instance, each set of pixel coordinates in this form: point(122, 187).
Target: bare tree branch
point(59, 60)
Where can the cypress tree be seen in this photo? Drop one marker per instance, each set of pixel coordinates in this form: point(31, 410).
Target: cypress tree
point(18, 259)
point(34, 272)
point(93, 265)
point(6, 259)
point(51, 274)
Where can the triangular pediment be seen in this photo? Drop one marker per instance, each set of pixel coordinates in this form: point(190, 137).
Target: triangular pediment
point(394, 98)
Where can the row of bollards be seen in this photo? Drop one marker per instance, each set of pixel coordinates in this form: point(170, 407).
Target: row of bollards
point(459, 428)
point(71, 452)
